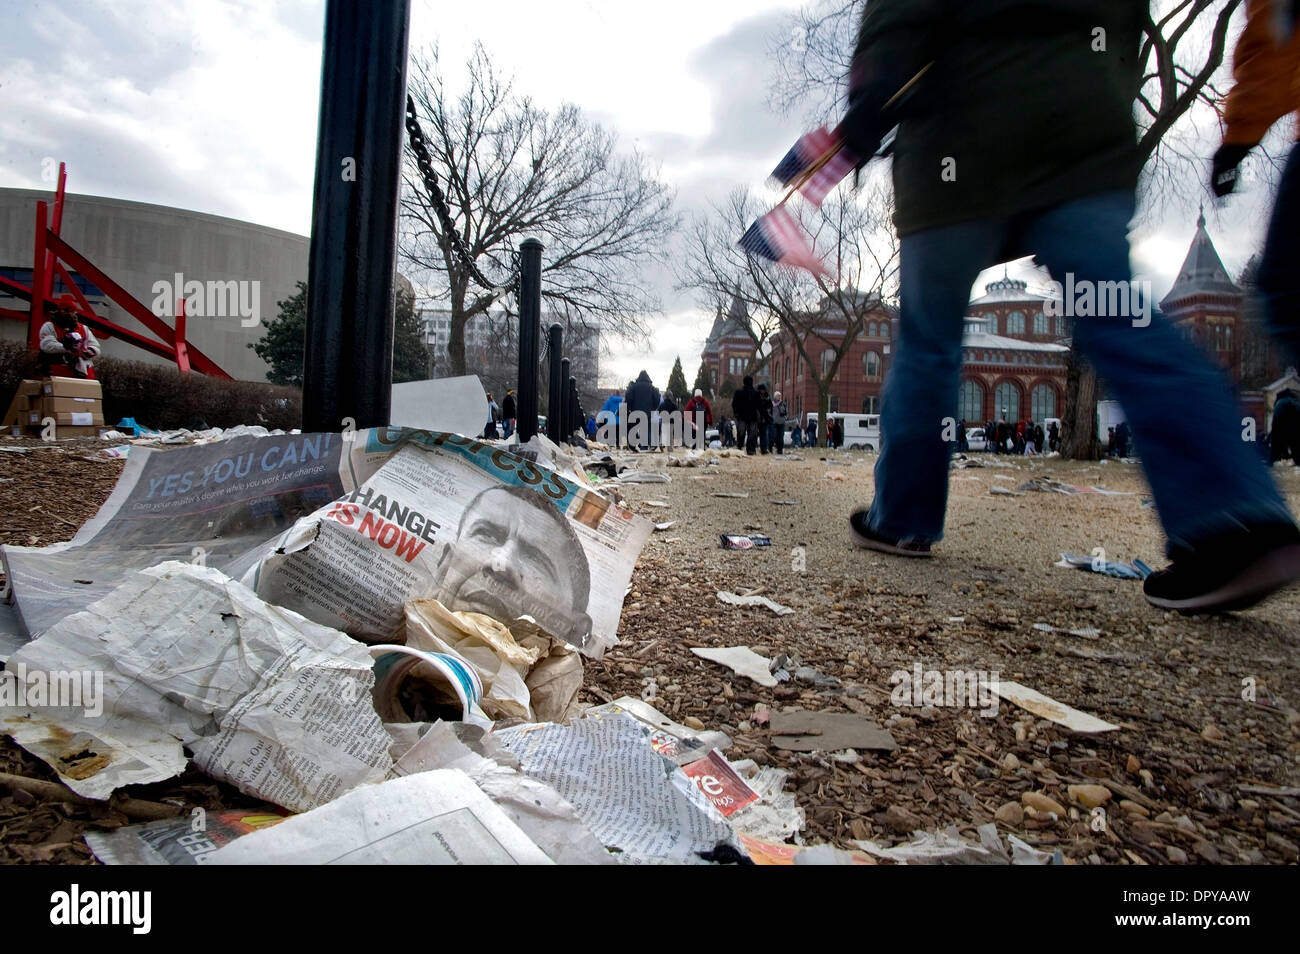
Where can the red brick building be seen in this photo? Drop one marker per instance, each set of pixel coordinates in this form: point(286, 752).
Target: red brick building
point(729, 350)
point(1013, 356)
point(861, 373)
point(1218, 316)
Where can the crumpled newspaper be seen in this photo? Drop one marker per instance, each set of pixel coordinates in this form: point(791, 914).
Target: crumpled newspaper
point(265, 699)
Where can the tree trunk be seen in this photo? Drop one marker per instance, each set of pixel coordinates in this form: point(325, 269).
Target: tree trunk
point(823, 409)
point(456, 332)
point(1079, 442)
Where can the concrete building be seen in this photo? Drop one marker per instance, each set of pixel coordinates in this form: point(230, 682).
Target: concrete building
point(140, 245)
point(492, 351)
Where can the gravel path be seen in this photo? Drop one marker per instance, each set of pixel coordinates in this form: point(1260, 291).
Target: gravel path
point(1188, 741)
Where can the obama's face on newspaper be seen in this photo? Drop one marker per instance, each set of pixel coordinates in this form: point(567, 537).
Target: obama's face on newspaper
point(516, 555)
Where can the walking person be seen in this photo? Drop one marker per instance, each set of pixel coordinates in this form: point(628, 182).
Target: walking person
point(810, 436)
point(508, 414)
point(764, 419)
point(993, 82)
point(494, 415)
point(744, 405)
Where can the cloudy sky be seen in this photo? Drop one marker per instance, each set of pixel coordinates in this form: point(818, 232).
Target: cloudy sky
point(211, 105)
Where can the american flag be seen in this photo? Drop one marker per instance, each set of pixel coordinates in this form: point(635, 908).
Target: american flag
point(819, 146)
point(777, 237)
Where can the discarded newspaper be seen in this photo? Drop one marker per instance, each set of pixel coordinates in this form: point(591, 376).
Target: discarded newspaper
point(345, 528)
point(273, 703)
point(634, 800)
point(474, 526)
point(437, 817)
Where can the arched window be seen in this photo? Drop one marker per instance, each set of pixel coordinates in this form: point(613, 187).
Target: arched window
point(990, 322)
point(1227, 337)
point(1060, 326)
point(1016, 323)
point(872, 330)
point(1042, 402)
point(828, 359)
point(970, 401)
point(1006, 400)
point(884, 329)
point(1040, 324)
point(871, 366)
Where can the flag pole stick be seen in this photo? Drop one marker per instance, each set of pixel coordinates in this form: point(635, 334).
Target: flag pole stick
point(826, 157)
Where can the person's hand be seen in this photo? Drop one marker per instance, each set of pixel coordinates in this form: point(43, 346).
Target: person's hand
point(1223, 175)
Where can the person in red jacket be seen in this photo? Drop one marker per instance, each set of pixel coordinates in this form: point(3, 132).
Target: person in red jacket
point(699, 402)
point(1266, 74)
point(67, 346)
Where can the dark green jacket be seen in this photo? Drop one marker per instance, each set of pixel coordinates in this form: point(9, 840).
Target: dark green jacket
point(1021, 108)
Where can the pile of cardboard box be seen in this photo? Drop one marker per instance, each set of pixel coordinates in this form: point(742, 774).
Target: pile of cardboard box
point(75, 406)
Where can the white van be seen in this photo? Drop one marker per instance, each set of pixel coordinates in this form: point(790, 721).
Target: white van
point(861, 431)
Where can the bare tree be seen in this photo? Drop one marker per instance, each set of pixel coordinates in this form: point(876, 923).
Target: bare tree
point(816, 314)
point(510, 170)
point(717, 270)
point(1182, 51)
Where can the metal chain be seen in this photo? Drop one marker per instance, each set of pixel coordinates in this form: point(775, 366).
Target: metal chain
point(425, 165)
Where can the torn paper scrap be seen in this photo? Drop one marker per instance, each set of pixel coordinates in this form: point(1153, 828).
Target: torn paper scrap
point(741, 660)
point(644, 477)
point(732, 599)
point(806, 731)
point(1046, 707)
point(273, 703)
point(945, 847)
point(454, 405)
point(633, 799)
point(433, 818)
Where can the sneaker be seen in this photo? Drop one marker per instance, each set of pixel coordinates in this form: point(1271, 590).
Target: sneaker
point(860, 535)
point(1231, 573)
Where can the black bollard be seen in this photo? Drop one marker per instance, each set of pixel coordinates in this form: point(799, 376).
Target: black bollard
point(565, 427)
point(351, 264)
point(555, 396)
point(530, 330)
point(576, 423)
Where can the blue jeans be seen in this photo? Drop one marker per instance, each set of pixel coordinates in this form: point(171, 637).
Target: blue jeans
point(1205, 479)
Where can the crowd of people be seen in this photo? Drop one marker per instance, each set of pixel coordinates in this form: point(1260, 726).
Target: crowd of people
point(1026, 438)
